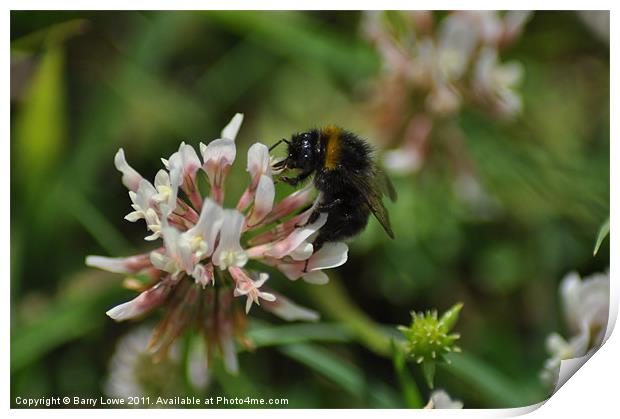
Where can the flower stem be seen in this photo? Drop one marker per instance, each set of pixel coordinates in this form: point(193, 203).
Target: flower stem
point(335, 302)
point(409, 388)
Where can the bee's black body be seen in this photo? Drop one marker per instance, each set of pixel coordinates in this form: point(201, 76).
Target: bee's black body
point(345, 174)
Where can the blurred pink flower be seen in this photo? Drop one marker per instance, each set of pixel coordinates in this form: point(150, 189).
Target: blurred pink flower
point(433, 66)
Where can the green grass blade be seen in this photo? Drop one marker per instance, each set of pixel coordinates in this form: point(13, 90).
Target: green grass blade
point(602, 233)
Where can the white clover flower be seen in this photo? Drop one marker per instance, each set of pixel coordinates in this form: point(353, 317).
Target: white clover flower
point(586, 304)
point(201, 266)
point(560, 349)
point(586, 310)
point(440, 399)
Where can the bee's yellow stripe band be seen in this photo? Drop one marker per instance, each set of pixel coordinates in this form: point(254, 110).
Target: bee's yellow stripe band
point(332, 149)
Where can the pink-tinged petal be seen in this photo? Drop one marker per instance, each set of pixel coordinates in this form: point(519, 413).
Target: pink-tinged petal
point(231, 130)
point(128, 265)
point(330, 255)
point(288, 310)
point(244, 285)
point(292, 271)
point(257, 252)
point(263, 200)
point(280, 231)
point(131, 179)
point(316, 277)
point(146, 301)
point(291, 203)
point(245, 200)
point(242, 280)
point(296, 238)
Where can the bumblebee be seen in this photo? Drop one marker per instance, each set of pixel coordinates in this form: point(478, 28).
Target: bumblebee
point(351, 185)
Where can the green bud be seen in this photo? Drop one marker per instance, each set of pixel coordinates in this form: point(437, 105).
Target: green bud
point(428, 338)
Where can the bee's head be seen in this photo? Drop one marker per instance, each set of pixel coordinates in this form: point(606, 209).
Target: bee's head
point(303, 151)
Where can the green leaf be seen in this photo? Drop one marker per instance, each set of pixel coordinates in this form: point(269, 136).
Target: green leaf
point(90, 217)
point(70, 317)
point(602, 233)
point(265, 335)
point(337, 370)
point(497, 389)
point(40, 127)
point(56, 33)
point(301, 38)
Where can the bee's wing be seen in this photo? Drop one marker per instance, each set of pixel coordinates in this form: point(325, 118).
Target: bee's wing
point(385, 184)
point(373, 187)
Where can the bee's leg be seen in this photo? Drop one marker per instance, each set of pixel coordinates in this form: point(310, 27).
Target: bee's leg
point(278, 143)
point(323, 207)
point(326, 206)
point(293, 181)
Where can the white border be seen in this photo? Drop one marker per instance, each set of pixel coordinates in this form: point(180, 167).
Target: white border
point(593, 390)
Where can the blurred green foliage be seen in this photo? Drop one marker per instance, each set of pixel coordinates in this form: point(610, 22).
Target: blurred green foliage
point(84, 84)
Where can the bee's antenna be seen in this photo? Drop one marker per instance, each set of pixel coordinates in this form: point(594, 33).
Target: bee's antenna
point(278, 143)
